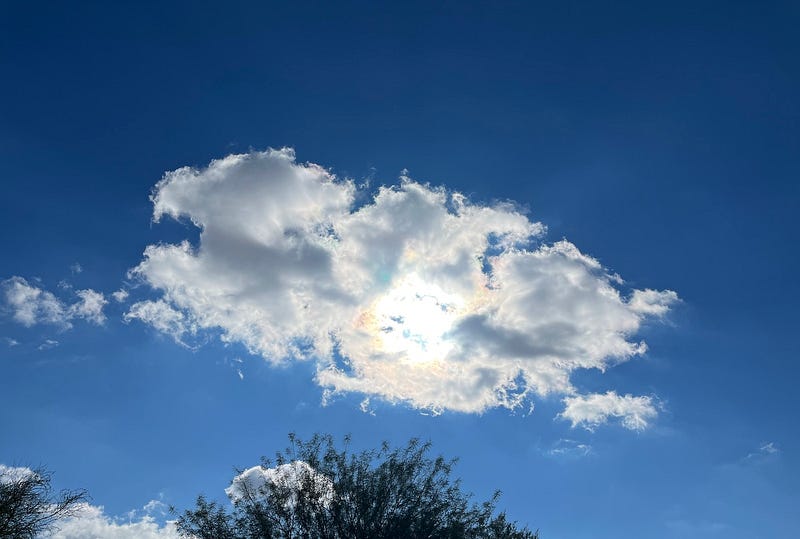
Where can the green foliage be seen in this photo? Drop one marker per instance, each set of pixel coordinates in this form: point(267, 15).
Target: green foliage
point(378, 494)
point(28, 505)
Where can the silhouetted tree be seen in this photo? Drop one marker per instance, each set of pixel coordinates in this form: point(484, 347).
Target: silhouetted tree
point(315, 490)
point(28, 505)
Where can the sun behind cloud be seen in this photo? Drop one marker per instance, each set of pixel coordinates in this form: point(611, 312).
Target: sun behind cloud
point(413, 318)
point(416, 296)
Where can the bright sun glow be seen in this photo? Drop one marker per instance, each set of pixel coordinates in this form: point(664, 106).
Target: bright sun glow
point(414, 317)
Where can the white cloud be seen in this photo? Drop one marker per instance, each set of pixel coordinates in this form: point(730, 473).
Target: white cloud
point(590, 411)
point(48, 344)
point(257, 482)
point(76, 268)
point(162, 317)
point(10, 474)
point(89, 307)
point(416, 296)
point(11, 342)
point(652, 302)
point(156, 506)
point(764, 451)
point(566, 448)
point(31, 305)
point(120, 295)
point(93, 523)
point(768, 448)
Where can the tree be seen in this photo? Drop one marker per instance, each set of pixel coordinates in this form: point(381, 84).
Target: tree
point(28, 505)
point(315, 490)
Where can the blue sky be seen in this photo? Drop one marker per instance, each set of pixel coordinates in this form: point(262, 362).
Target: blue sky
point(657, 144)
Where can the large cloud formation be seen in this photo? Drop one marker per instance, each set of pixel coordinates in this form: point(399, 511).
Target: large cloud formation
point(410, 294)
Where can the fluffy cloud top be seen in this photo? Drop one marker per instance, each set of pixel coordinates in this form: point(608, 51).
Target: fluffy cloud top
point(31, 305)
point(93, 523)
point(257, 482)
point(416, 295)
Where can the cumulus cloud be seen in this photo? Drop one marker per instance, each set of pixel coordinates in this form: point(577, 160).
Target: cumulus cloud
point(258, 481)
point(590, 411)
point(93, 523)
point(90, 306)
point(409, 294)
point(120, 295)
point(30, 305)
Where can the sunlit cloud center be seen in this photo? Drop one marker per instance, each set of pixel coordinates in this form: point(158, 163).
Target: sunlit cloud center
point(413, 319)
point(412, 293)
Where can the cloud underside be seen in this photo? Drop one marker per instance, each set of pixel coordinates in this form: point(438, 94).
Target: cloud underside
point(410, 294)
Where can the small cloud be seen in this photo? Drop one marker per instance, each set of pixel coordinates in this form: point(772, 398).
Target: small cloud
point(591, 411)
point(291, 476)
point(76, 268)
point(366, 408)
point(300, 406)
point(90, 306)
point(651, 302)
point(765, 450)
point(120, 295)
point(769, 448)
point(48, 344)
point(566, 448)
point(157, 507)
point(162, 317)
point(31, 305)
point(239, 372)
point(11, 342)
